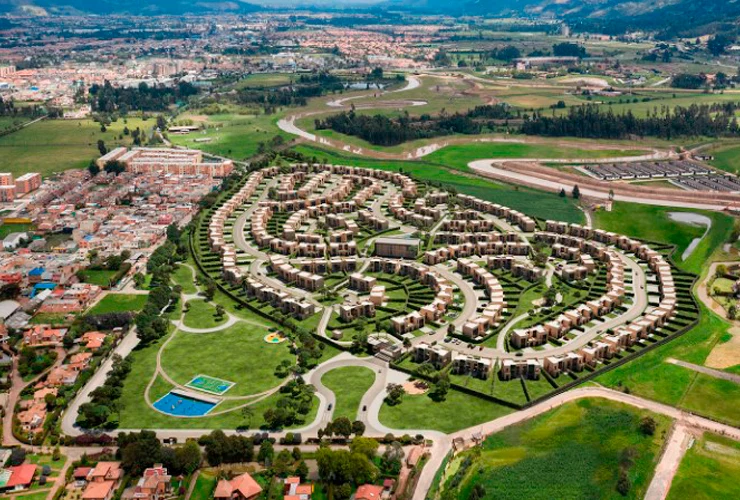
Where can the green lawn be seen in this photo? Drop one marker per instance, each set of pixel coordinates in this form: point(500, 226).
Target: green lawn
point(572, 452)
point(202, 314)
point(652, 223)
point(349, 384)
point(6, 229)
point(237, 354)
point(55, 145)
point(727, 159)
point(204, 486)
point(708, 471)
point(458, 411)
point(532, 202)
point(99, 277)
point(183, 276)
point(135, 413)
point(119, 302)
point(233, 135)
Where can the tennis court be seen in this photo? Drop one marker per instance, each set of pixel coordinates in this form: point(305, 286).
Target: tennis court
point(211, 385)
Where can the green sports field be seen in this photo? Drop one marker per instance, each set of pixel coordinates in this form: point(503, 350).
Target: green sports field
point(208, 384)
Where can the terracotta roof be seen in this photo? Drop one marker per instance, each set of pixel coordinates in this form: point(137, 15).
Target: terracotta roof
point(81, 472)
point(369, 492)
point(246, 485)
point(21, 475)
point(223, 489)
point(98, 490)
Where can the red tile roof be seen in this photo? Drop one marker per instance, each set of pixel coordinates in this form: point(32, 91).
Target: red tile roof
point(21, 475)
point(369, 492)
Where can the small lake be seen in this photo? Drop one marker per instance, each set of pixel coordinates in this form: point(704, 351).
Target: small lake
point(693, 219)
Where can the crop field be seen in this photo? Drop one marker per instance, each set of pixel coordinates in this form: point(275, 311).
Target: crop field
point(575, 451)
point(55, 145)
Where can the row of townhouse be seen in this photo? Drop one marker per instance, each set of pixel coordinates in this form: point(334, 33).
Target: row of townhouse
point(491, 314)
point(463, 237)
point(292, 275)
point(334, 198)
point(468, 226)
point(443, 254)
point(342, 235)
point(371, 188)
point(401, 213)
point(330, 266)
point(218, 221)
point(285, 189)
point(293, 224)
point(349, 312)
point(461, 364)
point(517, 267)
point(423, 274)
point(313, 184)
point(368, 218)
point(435, 198)
point(525, 223)
point(368, 284)
point(336, 221)
point(406, 184)
point(628, 335)
point(280, 300)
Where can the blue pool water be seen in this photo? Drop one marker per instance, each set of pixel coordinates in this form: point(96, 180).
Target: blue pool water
point(183, 406)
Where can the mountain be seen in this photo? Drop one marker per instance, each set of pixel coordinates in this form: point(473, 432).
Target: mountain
point(149, 7)
point(685, 17)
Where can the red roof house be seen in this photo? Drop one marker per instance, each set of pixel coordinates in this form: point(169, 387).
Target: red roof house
point(242, 487)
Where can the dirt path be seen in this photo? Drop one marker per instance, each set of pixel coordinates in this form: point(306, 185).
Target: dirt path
point(711, 372)
point(678, 443)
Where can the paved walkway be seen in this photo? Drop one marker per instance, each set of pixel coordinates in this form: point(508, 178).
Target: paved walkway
point(730, 377)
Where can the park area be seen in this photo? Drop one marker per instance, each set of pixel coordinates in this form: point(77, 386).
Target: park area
point(349, 384)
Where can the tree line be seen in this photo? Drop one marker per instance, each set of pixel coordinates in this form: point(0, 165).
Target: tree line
point(107, 99)
point(384, 131)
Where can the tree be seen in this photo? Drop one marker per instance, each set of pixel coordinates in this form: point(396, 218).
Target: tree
point(364, 446)
point(302, 470)
point(101, 147)
point(718, 44)
point(648, 425)
point(478, 493)
point(440, 389)
point(623, 483)
point(282, 464)
point(93, 168)
point(342, 427)
point(395, 393)
point(576, 192)
point(139, 451)
point(358, 428)
point(248, 414)
point(266, 453)
point(562, 193)
point(188, 457)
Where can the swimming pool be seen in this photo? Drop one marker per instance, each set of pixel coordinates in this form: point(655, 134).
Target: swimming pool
point(180, 404)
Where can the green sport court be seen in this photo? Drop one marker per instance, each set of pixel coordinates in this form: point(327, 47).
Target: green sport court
point(211, 385)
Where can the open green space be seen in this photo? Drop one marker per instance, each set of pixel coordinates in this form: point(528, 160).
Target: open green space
point(233, 135)
point(708, 471)
point(55, 145)
point(529, 201)
point(573, 452)
point(243, 368)
point(727, 158)
point(265, 80)
point(202, 314)
point(652, 377)
point(183, 276)
point(119, 302)
point(458, 411)
point(349, 384)
point(204, 486)
point(238, 354)
point(100, 277)
point(652, 223)
point(6, 229)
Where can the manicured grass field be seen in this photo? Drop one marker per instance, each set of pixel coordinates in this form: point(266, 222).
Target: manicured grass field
point(349, 384)
point(6, 229)
point(652, 223)
point(265, 80)
point(727, 159)
point(56, 145)
point(708, 471)
point(183, 276)
point(458, 411)
point(202, 314)
point(237, 354)
point(135, 413)
point(119, 302)
point(232, 135)
point(536, 203)
point(572, 452)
